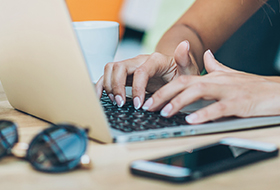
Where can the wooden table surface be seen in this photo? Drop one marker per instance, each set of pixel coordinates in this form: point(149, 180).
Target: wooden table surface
point(111, 162)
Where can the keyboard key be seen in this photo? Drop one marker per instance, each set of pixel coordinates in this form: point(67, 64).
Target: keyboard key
point(128, 119)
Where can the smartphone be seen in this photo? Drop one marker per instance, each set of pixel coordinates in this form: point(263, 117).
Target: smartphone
point(192, 164)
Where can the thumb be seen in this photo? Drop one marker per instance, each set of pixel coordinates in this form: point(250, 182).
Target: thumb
point(183, 59)
point(211, 64)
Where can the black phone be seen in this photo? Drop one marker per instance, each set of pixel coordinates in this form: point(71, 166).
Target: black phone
point(190, 165)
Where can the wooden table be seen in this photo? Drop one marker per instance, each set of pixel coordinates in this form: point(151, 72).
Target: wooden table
point(111, 162)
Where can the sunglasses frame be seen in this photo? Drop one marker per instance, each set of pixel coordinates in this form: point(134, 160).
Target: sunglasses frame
point(8, 150)
point(54, 169)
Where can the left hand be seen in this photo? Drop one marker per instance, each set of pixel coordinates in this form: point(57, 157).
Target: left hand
point(236, 94)
point(145, 73)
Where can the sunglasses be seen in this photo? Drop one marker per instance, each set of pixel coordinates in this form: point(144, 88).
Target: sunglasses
point(59, 148)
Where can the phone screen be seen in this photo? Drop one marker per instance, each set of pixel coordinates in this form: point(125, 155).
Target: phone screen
point(206, 156)
point(229, 153)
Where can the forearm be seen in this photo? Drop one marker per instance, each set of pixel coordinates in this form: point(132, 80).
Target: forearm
point(207, 25)
point(273, 78)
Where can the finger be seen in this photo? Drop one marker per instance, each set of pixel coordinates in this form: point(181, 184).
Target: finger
point(183, 59)
point(107, 78)
point(107, 84)
point(199, 90)
point(214, 111)
point(155, 65)
point(119, 76)
point(99, 87)
point(211, 64)
point(139, 84)
point(118, 82)
point(168, 92)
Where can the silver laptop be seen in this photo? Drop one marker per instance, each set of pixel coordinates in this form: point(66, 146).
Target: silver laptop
point(43, 72)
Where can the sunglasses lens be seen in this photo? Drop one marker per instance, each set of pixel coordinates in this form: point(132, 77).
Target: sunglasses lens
point(57, 149)
point(8, 136)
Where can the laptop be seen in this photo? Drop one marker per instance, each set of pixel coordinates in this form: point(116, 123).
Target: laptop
point(43, 73)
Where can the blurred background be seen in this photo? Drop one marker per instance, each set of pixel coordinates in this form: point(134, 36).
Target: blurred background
point(143, 22)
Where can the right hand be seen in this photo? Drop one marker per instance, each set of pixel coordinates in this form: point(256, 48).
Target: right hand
point(236, 93)
point(145, 73)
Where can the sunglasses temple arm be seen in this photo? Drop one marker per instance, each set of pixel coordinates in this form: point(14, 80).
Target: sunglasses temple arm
point(20, 149)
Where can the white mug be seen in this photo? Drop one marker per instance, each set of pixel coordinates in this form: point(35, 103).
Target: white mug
point(98, 41)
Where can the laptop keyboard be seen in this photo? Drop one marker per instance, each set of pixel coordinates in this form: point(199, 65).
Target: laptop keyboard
point(128, 119)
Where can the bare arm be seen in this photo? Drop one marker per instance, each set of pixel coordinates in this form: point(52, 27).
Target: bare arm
point(207, 25)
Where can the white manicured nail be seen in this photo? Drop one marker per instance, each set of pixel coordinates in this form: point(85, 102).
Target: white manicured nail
point(166, 110)
point(112, 98)
point(136, 103)
point(188, 44)
point(119, 100)
point(210, 53)
point(147, 104)
point(191, 118)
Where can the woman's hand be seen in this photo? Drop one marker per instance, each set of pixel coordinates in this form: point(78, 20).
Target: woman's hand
point(236, 94)
point(145, 73)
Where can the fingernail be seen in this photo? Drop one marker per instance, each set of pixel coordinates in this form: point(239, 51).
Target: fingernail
point(210, 53)
point(119, 100)
point(147, 104)
point(136, 103)
point(166, 110)
point(111, 96)
point(188, 44)
point(191, 118)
